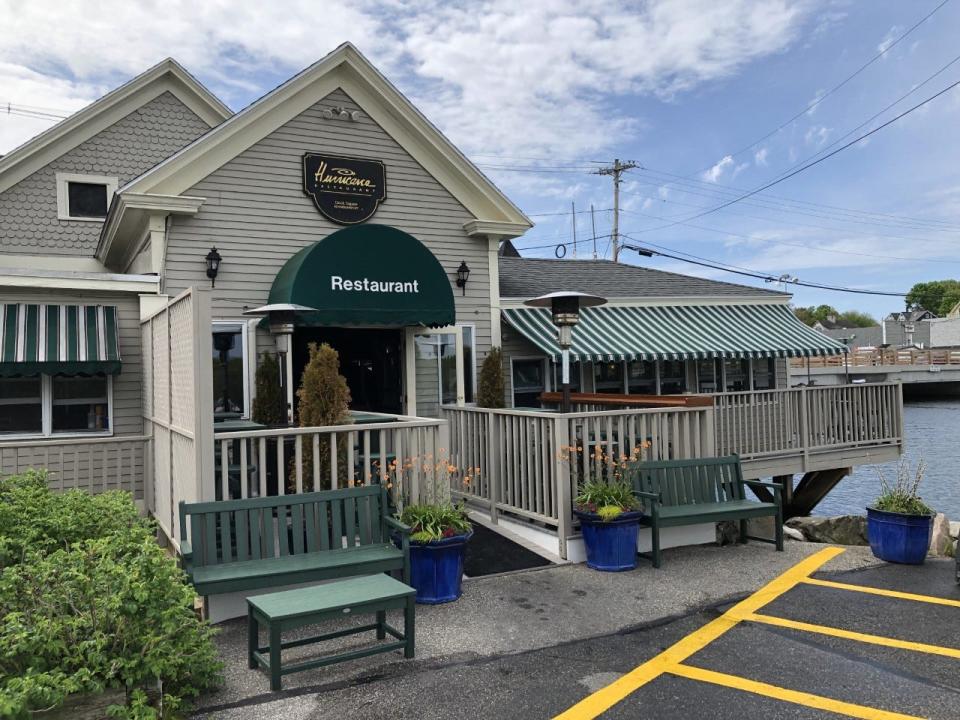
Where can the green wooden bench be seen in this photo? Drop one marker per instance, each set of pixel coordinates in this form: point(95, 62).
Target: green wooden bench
point(290, 609)
point(266, 542)
point(703, 490)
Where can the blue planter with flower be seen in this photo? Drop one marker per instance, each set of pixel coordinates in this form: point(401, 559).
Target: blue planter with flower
point(899, 537)
point(611, 544)
point(436, 569)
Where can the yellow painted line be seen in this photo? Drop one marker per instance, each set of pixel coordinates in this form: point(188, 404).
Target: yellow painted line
point(796, 697)
point(605, 698)
point(850, 635)
point(882, 592)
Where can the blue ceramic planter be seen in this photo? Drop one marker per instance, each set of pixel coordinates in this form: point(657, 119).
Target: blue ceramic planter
point(899, 538)
point(611, 546)
point(436, 569)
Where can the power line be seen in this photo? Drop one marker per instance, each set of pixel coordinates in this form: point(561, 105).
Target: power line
point(837, 87)
point(813, 163)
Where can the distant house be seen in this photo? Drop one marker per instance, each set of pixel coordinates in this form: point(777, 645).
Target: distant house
point(830, 322)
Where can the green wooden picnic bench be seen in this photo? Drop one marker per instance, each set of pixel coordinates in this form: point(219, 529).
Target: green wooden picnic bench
point(701, 490)
point(266, 542)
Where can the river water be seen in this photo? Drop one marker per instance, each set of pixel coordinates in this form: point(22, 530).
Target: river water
point(932, 429)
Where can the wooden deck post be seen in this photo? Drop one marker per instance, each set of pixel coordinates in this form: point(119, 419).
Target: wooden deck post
point(561, 475)
point(492, 466)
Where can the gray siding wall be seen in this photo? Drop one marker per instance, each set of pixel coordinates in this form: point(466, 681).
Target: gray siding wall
point(28, 210)
point(514, 345)
point(127, 416)
point(258, 216)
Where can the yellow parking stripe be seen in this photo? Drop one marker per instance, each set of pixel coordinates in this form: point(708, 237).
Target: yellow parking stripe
point(605, 698)
point(880, 591)
point(850, 635)
point(817, 702)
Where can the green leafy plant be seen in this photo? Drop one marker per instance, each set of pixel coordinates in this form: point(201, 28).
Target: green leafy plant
point(903, 496)
point(90, 601)
point(490, 390)
point(435, 521)
point(608, 500)
point(268, 403)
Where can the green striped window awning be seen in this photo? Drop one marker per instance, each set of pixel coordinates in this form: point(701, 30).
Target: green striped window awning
point(678, 332)
point(58, 340)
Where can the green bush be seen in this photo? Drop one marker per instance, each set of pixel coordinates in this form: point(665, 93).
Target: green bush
point(435, 522)
point(89, 601)
point(490, 389)
point(607, 499)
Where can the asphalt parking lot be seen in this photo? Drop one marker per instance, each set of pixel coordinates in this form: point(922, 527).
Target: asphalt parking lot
point(878, 642)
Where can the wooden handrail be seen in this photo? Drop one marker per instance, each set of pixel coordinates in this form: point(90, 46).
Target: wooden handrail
point(648, 401)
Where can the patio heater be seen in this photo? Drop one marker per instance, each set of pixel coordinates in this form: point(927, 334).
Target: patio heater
point(565, 310)
point(281, 317)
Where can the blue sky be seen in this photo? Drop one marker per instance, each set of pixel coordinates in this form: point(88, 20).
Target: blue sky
point(677, 86)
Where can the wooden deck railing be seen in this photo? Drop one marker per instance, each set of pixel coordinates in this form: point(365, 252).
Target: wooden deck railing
point(401, 450)
point(92, 464)
point(530, 462)
point(881, 358)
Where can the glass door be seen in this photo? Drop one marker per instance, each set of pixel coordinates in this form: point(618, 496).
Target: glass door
point(434, 370)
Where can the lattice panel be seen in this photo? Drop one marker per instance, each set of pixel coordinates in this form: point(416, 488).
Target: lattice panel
point(164, 510)
point(184, 474)
point(161, 369)
point(182, 351)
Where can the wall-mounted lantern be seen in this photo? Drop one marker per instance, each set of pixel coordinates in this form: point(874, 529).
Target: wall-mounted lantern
point(463, 274)
point(213, 265)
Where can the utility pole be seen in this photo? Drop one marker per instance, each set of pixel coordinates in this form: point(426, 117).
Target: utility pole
point(593, 226)
point(573, 219)
point(616, 170)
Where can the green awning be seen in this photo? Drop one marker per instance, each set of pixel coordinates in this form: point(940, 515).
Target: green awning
point(366, 275)
point(677, 332)
point(58, 340)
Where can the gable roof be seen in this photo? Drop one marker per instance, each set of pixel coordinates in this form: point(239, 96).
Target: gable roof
point(531, 277)
point(347, 69)
point(166, 76)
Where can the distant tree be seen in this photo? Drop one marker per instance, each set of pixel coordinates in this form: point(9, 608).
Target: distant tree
point(490, 391)
point(850, 318)
point(937, 296)
point(268, 403)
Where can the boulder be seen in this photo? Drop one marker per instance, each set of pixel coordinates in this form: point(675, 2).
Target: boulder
point(840, 530)
point(792, 533)
point(954, 529)
point(940, 542)
point(728, 532)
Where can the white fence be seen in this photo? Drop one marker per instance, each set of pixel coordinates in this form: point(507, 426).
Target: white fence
point(403, 452)
point(178, 405)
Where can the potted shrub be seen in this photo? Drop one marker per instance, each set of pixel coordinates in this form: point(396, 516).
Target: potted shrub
point(609, 516)
point(438, 539)
point(899, 524)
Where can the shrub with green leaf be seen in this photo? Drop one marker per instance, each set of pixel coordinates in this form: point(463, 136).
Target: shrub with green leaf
point(609, 500)
point(435, 522)
point(90, 601)
point(903, 495)
point(268, 404)
point(490, 391)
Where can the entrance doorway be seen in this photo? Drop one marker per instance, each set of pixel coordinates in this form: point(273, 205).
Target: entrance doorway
point(370, 360)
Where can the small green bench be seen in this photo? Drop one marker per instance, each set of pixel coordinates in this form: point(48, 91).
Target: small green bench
point(702, 490)
point(291, 609)
point(267, 542)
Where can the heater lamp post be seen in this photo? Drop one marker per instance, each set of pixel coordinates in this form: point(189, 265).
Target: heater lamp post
point(565, 310)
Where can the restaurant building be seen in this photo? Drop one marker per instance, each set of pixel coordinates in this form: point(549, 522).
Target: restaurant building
point(335, 200)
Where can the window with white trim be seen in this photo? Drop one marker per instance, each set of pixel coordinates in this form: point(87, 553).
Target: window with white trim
point(230, 375)
point(84, 197)
point(47, 405)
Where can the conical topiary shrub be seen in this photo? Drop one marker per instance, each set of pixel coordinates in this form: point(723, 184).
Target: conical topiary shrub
point(268, 404)
point(324, 400)
point(490, 391)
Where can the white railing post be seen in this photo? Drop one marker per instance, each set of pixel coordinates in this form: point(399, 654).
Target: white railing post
point(492, 466)
point(561, 475)
point(805, 426)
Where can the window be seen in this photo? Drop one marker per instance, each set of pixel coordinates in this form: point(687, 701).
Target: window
point(708, 376)
point(764, 374)
point(673, 377)
point(56, 405)
point(642, 377)
point(608, 377)
point(84, 197)
point(574, 376)
point(229, 370)
point(528, 382)
point(736, 375)
point(469, 362)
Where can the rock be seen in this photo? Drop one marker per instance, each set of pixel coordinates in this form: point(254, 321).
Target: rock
point(792, 533)
point(841, 530)
point(954, 529)
point(728, 532)
point(940, 542)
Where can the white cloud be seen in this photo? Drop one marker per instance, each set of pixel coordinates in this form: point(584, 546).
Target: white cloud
point(501, 76)
point(817, 135)
point(760, 156)
point(739, 169)
point(714, 173)
point(889, 38)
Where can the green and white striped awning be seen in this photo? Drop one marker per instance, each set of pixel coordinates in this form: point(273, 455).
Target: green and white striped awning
point(58, 339)
point(677, 332)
